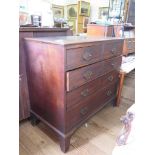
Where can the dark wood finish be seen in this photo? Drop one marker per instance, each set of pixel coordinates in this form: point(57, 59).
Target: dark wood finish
point(113, 48)
point(43, 29)
point(24, 103)
point(75, 96)
point(46, 74)
point(83, 75)
point(78, 57)
point(47, 78)
point(89, 105)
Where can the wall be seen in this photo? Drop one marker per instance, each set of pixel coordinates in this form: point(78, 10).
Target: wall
point(95, 4)
point(43, 7)
point(38, 7)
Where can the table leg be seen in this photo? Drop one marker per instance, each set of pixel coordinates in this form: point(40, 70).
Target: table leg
point(119, 91)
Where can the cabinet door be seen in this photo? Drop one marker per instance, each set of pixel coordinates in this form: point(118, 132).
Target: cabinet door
point(24, 102)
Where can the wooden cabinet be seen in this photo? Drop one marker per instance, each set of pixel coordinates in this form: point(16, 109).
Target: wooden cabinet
point(24, 103)
point(99, 30)
point(70, 79)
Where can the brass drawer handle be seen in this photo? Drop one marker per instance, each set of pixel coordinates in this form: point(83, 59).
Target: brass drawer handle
point(88, 75)
point(85, 93)
point(113, 50)
point(20, 77)
point(109, 93)
point(112, 64)
point(87, 56)
point(84, 111)
point(110, 78)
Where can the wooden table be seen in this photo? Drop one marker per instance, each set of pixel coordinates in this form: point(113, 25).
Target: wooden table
point(128, 64)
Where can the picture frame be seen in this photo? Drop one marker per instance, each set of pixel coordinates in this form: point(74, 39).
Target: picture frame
point(72, 11)
point(103, 11)
point(84, 8)
point(58, 11)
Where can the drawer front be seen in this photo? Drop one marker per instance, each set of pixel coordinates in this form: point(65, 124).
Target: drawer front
point(113, 48)
point(90, 105)
point(83, 75)
point(75, 96)
point(129, 44)
point(82, 56)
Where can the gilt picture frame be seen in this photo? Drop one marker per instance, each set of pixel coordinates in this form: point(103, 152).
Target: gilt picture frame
point(103, 11)
point(72, 11)
point(84, 8)
point(58, 11)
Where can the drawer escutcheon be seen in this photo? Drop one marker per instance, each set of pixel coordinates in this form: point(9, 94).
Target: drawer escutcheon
point(110, 78)
point(88, 75)
point(84, 111)
point(87, 56)
point(85, 93)
point(109, 93)
point(113, 50)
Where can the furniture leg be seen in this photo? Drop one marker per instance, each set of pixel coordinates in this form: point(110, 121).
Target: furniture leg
point(64, 143)
point(122, 74)
point(34, 120)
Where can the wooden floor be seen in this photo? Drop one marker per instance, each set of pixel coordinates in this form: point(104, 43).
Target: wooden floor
point(96, 138)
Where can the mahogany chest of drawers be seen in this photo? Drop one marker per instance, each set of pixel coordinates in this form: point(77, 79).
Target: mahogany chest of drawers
point(70, 79)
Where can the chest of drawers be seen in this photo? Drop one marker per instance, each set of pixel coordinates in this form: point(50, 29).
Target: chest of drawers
point(70, 79)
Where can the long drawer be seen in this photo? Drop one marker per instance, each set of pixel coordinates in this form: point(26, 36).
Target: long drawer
point(83, 75)
point(74, 97)
point(78, 57)
point(89, 105)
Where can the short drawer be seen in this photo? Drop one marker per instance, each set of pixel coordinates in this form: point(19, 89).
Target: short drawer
point(82, 56)
point(74, 97)
point(129, 46)
point(86, 74)
point(113, 48)
point(89, 106)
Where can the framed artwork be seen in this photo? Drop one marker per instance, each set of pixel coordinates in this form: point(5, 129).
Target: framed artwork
point(72, 11)
point(103, 11)
point(84, 8)
point(58, 11)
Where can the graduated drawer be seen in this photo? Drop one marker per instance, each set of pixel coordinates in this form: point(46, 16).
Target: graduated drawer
point(83, 75)
point(75, 96)
point(84, 55)
point(113, 48)
point(90, 105)
point(78, 57)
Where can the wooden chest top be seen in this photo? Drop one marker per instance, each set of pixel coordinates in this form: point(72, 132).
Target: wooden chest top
point(67, 40)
